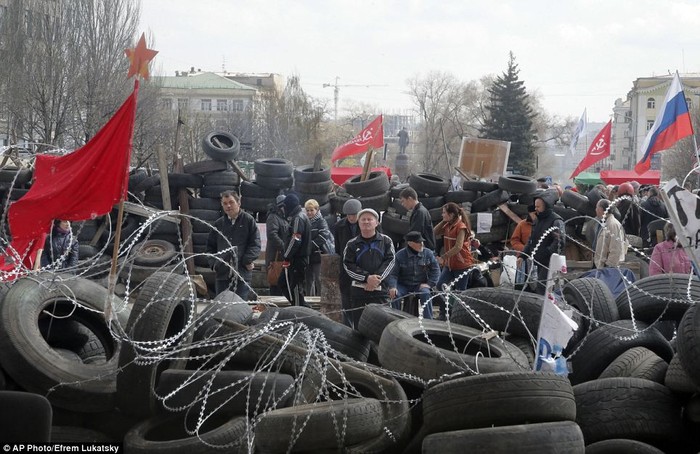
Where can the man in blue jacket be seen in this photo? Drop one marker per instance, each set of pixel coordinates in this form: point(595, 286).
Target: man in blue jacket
point(416, 270)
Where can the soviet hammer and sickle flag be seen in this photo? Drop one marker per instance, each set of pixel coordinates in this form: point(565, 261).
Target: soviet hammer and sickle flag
point(599, 149)
point(370, 137)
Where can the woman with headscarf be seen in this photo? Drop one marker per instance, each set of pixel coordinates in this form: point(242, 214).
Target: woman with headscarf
point(61, 248)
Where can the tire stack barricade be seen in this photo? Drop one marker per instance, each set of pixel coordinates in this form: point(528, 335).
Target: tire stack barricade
point(317, 185)
point(273, 176)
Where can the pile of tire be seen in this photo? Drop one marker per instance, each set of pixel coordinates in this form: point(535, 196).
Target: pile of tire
point(273, 176)
point(317, 185)
point(14, 183)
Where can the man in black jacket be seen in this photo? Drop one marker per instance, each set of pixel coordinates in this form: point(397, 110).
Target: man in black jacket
point(368, 260)
point(343, 231)
point(277, 229)
point(235, 245)
point(652, 209)
point(420, 217)
point(544, 246)
point(296, 252)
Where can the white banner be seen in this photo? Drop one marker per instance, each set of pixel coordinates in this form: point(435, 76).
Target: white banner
point(683, 209)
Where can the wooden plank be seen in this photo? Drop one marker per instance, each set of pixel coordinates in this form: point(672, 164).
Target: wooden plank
point(163, 170)
point(139, 210)
point(98, 233)
point(317, 162)
point(368, 165)
point(239, 171)
point(514, 217)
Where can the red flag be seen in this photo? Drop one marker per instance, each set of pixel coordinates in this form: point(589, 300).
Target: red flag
point(370, 137)
point(81, 185)
point(599, 149)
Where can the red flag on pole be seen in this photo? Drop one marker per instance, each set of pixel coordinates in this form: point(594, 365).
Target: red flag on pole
point(81, 185)
point(599, 149)
point(370, 137)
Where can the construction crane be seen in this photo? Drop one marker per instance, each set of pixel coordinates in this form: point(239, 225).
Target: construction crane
point(336, 92)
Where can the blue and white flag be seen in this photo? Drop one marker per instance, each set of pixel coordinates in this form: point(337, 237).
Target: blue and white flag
point(578, 132)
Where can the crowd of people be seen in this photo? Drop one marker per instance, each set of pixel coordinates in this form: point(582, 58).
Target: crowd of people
point(372, 271)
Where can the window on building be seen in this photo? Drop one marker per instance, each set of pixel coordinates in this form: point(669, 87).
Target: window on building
point(650, 123)
point(237, 105)
point(183, 103)
point(627, 133)
point(690, 103)
point(166, 104)
point(628, 117)
point(221, 105)
point(206, 104)
point(651, 103)
point(258, 82)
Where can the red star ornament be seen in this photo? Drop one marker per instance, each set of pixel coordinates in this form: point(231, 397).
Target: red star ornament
point(139, 57)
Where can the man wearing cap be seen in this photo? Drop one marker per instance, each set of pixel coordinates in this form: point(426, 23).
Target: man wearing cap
point(277, 227)
point(416, 270)
point(368, 259)
point(296, 251)
point(235, 238)
point(420, 220)
point(344, 230)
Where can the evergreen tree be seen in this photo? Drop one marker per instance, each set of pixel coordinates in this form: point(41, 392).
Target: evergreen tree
point(510, 118)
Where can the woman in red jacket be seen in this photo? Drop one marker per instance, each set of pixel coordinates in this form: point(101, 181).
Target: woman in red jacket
point(456, 255)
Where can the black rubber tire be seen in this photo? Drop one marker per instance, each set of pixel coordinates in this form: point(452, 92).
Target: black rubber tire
point(395, 191)
point(517, 184)
point(226, 149)
point(497, 307)
point(606, 343)
point(429, 183)
point(342, 338)
point(495, 235)
point(621, 446)
point(404, 348)
point(351, 381)
point(222, 178)
point(459, 197)
point(274, 183)
point(688, 343)
point(637, 362)
point(163, 309)
point(627, 407)
point(500, 399)
point(398, 208)
point(166, 434)
point(256, 205)
point(376, 183)
point(318, 187)
point(27, 357)
point(185, 180)
point(16, 176)
point(490, 200)
point(591, 298)
point(273, 167)
point(479, 186)
point(253, 189)
point(432, 202)
point(201, 227)
point(73, 434)
point(337, 201)
point(85, 251)
point(204, 167)
point(663, 296)
point(306, 174)
point(543, 438)
point(322, 199)
point(378, 202)
point(677, 379)
point(147, 183)
point(392, 223)
point(214, 192)
point(254, 392)
point(206, 215)
point(314, 427)
point(376, 317)
point(153, 253)
point(203, 203)
point(578, 202)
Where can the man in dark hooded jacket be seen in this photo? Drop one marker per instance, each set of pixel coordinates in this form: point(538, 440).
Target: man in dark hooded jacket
point(540, 247)
point(296, 252)
point(652, 209)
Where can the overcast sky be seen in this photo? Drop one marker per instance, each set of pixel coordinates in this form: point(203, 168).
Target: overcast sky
point(576, 54)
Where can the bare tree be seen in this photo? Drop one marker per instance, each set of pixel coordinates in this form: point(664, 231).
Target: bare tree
point(288, 124)
point(449, 110)
point(65, 67)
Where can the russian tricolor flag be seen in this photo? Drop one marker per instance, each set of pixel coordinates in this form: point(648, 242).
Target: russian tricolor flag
point(671, 125)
